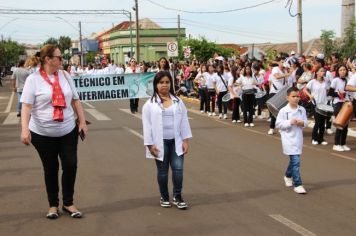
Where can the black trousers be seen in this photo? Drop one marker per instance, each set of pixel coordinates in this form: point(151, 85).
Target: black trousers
point(319, 127)
point(249, 101)
point(236, 109)
point(49, 148)
point(203, 94)
point(340, 134)
point(222, 104)
point(211, 98)
point(272, 125)
point(134, 104)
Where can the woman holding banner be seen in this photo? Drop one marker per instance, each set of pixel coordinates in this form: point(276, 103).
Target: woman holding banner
point(133, 68)
point(166, 131)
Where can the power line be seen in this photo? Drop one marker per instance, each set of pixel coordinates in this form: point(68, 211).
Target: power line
point(210, 12)
point(290, 3)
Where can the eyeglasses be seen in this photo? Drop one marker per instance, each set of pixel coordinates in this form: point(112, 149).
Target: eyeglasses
point(132, 61)
point(58, 57)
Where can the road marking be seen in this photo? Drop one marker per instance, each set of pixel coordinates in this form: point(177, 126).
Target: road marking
point(134, 132)
point(11, 119)
point(97, 115)
point(3, 97)
point(290, 224)
point(89, 105)
point(128, 111)
point(8, 108)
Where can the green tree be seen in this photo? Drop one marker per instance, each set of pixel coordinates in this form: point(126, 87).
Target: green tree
point(10, 52)
point(64, 43)
point(90, 57)
point(348, 45)
point(202, 49)
point(51, 41)
point(327, 38)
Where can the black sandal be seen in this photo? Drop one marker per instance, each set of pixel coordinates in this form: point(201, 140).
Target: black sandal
point(76, 214)
point(52, 215)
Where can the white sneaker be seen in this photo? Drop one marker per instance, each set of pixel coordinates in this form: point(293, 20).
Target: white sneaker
point(260, 117)
point(238, 121)
point(338, 148)
point(269, 120)
point(324, 143)
point(246, 125)
point(225, 116)
point(329, 131)
point(214, 114)
point(209, 114)
point(234, 121)
point(201, 111)
point(314, 142)
point(254, 116)
point(300, 189)
point(252, 124)
point(346, 148)
point(220, 116)
point(288, 181)
point(270, 132)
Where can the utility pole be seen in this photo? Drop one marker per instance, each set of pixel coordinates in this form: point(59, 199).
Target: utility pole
point(178, 33)
point(347, 15)
point(300, 28)
point(137, 34)
point(80, 41)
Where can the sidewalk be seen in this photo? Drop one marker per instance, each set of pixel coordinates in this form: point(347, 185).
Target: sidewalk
point(352, 125)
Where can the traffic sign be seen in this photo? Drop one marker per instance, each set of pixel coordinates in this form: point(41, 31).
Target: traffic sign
point(172, 49)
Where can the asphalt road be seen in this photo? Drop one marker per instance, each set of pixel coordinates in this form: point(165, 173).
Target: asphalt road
point(233, 182)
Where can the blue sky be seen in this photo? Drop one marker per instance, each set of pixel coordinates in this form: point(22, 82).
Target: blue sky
point(267, 23)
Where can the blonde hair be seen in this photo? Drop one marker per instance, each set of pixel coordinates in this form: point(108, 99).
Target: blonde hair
point(47, 51)
point(32, 61)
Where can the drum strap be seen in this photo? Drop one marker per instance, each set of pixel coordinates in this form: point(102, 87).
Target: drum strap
point(223, 82)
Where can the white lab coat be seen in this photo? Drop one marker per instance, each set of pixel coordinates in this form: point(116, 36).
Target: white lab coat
point(153, 127)
point(291, 135)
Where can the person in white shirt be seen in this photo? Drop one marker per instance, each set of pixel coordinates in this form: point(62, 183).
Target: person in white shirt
point(166, 131)
point(318, 88)
point(259, 77)
point(203, 91)
point(50, 104)
point(235, 92)
point(277, 81)
point(119, 69)
point(19, 77)
point(337, 90)
point(133, 68)
point(210, 82)
point(248, 86)
point(222, 89)
point(290, 121)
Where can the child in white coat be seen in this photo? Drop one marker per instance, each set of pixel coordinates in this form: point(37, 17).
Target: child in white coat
point(291, 120)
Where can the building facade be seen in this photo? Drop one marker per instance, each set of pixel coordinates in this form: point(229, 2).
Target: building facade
point(116, 42)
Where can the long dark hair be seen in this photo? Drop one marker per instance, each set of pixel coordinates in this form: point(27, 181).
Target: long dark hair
point(234, 73)
point(337, 71)
point(166, 67)
point(156, 80)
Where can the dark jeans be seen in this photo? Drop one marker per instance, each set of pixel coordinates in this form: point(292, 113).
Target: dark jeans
point(134, 104)
point(176, 162)
point(248, 100)
point(203, 94)
point(319, 127)
point(222, 104)
point(340, 134)
point(293, 170)
point(236, 109)
point(211, 98)
point(49, 148)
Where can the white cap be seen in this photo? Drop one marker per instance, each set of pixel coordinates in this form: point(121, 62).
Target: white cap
point(292, 53)
point(320, 56)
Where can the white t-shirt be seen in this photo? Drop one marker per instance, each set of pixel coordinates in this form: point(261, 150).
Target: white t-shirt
point(221, 81)
point(210, 79)
point(38, 93)
point(235, 87)
point(247, 82)
point(276, 84)
point(338, 85)
point(20, 75)
point(318, 90)
point(129, 70)
point(119, 70)
point(352, 82)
